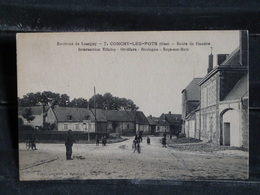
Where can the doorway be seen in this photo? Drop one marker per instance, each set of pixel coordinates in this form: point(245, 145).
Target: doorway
point(226, 136)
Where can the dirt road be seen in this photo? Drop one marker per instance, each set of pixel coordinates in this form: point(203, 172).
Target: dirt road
point(117, 161)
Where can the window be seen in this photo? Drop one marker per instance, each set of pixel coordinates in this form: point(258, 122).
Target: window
point(66, 126)
point(77, 126)
point(158, 128)
point(69, 117)
point(127, 126)
point(86, 117)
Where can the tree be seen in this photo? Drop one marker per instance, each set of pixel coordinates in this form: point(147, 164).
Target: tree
point(46, 98)
point(109, 102)
point(28, 115)
point(80, 102)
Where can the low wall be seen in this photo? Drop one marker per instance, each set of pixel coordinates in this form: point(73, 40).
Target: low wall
point(57, 135)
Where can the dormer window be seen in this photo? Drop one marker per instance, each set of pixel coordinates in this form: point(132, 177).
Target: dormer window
point(86, 117)
point(69, 117)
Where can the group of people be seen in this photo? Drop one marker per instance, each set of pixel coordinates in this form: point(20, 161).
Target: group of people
point(32, 143)
point(69, 143)
point(103, 140)
point(137, 140)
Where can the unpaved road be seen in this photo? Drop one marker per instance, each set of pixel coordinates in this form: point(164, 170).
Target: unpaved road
point(117, 161)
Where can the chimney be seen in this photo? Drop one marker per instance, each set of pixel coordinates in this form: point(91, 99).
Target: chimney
point(170, 112)
point(210, 68)
point(243, 35)
point(221, 58)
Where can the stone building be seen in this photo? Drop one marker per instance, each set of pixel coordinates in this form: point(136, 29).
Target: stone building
point(216, 124)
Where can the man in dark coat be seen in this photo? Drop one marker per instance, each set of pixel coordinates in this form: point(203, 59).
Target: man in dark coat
point(69, 143)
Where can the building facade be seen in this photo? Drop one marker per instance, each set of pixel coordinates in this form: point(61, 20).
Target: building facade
point(190, 100)
point(220, 118)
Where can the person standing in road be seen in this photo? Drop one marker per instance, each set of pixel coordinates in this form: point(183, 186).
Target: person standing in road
point(97, 140)
point(69, 143)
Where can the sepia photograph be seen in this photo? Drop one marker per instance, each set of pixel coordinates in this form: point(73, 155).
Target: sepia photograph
point(154, 105)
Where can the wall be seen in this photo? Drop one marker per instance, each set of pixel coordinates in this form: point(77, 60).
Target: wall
point(209, 109)
point(245, 124)
point(73, 125)
point(238, 119)
point(162, 128)
point(191, 128)
point(197, 123)
point(232, 117)
point(144, 128)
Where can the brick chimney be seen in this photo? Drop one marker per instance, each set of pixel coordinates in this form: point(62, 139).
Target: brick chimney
point(221, 58)
point(243, 35)
point(170, 112)
point(210, 68)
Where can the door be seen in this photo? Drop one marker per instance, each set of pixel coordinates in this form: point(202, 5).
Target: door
point(226, 136)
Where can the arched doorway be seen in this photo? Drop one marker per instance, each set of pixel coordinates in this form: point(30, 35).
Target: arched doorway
point(224, 137)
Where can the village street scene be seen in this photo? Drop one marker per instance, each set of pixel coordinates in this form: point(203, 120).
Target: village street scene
point(202, 135)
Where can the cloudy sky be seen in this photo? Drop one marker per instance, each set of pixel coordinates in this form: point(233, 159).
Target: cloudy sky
point(153, 80)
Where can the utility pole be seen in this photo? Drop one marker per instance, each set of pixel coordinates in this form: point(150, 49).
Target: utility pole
point(95, 109)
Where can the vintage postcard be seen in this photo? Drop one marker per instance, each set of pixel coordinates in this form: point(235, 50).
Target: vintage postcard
point(162, 105)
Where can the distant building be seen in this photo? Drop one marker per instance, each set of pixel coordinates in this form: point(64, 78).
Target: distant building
point(38, 112)
point(174, 122)
point(190, 100)
point(152, 124)
point(224, 96)
point(75, 119)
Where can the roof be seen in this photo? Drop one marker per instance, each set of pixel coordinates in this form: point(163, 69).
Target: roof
point(233, 58)
point(100, 115)
point(191, 116)
point(140, 118)
point(231, 63)
point(36, 110)
point(192, 91)
point(239, 90)
point(150, 120)
point(171, 118)
point(123, 116)
point(77, 114)
point(116, 115)
point(155, 119)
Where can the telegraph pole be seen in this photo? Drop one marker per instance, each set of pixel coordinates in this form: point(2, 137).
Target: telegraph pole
point(95, 109)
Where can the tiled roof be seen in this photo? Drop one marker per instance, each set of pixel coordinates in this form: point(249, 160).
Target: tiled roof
point(193, 90)
point(115, 115)
point(141, 118)
point(124, 116)
point(100, 115)
point(239, 90)
point(150, 120)
point(77, 114)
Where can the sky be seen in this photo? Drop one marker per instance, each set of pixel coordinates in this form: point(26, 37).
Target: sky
point(152, 79)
